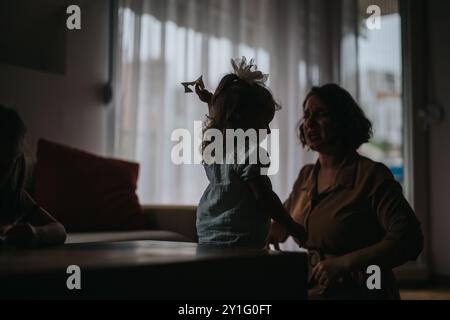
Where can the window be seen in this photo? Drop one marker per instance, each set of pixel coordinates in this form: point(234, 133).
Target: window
point(163, 43)
point(380, 85)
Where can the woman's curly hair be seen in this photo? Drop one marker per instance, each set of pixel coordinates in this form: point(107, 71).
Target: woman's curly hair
point(355, 128)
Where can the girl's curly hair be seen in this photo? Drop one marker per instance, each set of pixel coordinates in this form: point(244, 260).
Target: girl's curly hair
point(238, 104)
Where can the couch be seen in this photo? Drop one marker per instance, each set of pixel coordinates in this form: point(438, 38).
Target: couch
point(165, 223)
point(169, 223)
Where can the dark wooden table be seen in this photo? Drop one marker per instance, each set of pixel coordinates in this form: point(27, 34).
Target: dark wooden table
point(152, 270)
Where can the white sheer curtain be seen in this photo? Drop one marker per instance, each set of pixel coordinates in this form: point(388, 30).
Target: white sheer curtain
point(163, 43)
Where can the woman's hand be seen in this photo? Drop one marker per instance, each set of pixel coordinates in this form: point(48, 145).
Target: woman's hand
point(21, 235)
point(326, 272)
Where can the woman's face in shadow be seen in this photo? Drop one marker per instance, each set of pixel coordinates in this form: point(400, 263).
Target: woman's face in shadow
point(318, 127)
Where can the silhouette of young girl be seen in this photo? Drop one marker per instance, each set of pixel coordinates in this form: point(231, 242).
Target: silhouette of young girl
point(22, 222)
point(237, 205)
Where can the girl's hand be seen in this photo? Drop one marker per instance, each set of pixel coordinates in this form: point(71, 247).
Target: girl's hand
point(203, 94)
point(328, 271)
point(20, 235)
point(298, 232)
point(277, 233)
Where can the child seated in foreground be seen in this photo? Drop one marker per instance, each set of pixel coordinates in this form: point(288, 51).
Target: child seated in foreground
point(22, 222)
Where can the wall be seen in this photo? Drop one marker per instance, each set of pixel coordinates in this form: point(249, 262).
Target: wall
point(67, 108)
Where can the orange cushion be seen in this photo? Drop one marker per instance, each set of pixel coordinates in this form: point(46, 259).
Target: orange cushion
point(86, 192)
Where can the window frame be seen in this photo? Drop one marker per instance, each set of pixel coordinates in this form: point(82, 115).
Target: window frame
point(416, 147)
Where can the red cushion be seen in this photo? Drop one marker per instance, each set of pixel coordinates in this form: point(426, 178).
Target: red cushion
point(86, 192)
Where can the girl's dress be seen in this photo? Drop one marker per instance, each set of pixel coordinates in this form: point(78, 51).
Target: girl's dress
point(228, 213)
